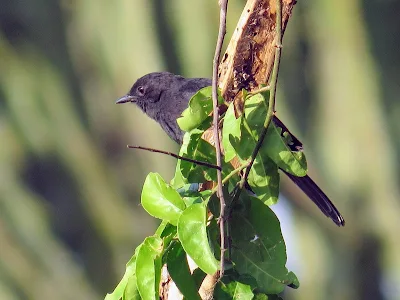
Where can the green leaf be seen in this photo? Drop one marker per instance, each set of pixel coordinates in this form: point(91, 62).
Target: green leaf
point(161, 228)
point(178, 268)
point(255, 112)
point(214, 239)
point(131, 291)
point(192, 195)
point(266, 297)
point(148, 267)
point(261, 297)
point(240, 143)
point(258, 248)
point(129, 272)
point(193, 235)
point(233, 290)
point(264, 180)
point(293, 162)
point(200, 107)
point(178, 180)
point(160, 200)
point(196, 148)
point(230, 131)
point(198, 277)
point(263, 177)
point(295, 284)
point(240, 138)
point(275, 144)
point(167, 232)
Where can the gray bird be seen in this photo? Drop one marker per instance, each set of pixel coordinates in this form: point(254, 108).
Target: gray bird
point(164, 96)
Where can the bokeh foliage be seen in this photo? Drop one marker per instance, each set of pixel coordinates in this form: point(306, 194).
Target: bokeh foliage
point(69, 189)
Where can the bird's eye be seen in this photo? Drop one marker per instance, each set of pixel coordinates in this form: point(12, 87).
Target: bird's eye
point(140, 90)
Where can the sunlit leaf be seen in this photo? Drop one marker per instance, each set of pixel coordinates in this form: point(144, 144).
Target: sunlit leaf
point(160, 229)
point(129, 275)
point(167, 232)
point(192, 148)
point(148, 267)
point(263, 177)
point(178, 180)
point(200, 107)
point(196, 148)
point(193, 235)
point(233, 290)
point(230, 131)
point(160, 200)
point(264, 180)
point(275, 145)
point(131, 291)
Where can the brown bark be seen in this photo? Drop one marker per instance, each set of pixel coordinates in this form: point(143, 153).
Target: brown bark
point(249, 57)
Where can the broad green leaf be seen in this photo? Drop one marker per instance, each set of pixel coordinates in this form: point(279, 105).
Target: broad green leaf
point(196, 148)
point(193, 235)
point(160, 200)
point(233, 290)
point(230, 131)
point(188, 149)
point(264, 180)
point(148, 267)
point(243, 144)
point(178, 268)
point(129, 273)
point(234, 286)
point(178, 181)
point(293, 162)
point(131, 291)
point(258, 248)
point(200, 107)
point(263, 177)
point(255, 111)
point(275, 144)
point(192, 196)
point(266, 297)
point(167, 232)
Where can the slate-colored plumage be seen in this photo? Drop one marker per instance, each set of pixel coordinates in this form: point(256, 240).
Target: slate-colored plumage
point(163, 96)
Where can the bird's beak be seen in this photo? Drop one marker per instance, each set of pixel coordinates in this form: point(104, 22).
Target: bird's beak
point(126, 98)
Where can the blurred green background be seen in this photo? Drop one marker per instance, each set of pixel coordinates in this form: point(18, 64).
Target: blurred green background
point(69, 189)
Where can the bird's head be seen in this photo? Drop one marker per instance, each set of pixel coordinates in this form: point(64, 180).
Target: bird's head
point(146, 92)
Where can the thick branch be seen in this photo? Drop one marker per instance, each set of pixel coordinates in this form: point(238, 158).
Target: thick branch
point(249, 58)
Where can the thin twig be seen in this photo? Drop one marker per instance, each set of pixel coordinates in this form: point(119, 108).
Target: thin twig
point(260, 90)
point(272, 95)
point(197, 162)
point(221, 34)
point(230, 175)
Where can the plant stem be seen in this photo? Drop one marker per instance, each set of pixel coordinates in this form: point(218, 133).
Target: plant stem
point(221, 34)
point(272, 95)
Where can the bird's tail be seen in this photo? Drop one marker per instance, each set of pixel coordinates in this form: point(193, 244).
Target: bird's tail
point(311, 189)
